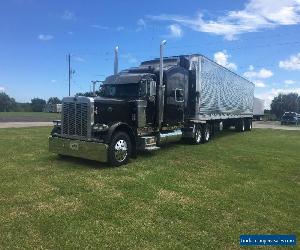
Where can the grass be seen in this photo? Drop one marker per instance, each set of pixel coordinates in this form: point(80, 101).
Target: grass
point(28, 116)
point(180, 197)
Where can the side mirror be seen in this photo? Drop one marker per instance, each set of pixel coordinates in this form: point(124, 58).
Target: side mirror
point(152, 88)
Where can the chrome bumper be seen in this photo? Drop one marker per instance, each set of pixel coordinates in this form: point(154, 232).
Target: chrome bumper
point(82, 149)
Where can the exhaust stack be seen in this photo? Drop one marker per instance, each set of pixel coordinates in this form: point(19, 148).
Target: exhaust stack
point(116, 62)
point(161, 62)
point(160, 89)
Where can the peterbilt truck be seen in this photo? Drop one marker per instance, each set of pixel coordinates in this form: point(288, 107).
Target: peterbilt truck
point(187, 97)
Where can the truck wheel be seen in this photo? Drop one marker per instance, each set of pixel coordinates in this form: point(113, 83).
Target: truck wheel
point(197, 139)
point(248, 124)
point(221, 126)
point(119, 149)
point(55, 131)
point(205, 133)
point(240, 125)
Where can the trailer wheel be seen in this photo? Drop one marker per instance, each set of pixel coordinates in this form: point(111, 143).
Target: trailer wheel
point(119, 149)
point(248, 124)
point(240, 125)
point(197, 139)
point(206, 133)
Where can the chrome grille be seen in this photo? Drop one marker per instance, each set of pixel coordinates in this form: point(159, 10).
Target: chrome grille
point(75, 119)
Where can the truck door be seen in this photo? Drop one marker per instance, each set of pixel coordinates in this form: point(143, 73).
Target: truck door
point(175, 95)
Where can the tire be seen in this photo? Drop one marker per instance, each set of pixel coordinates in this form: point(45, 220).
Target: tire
point(119, 149)
point(197, 139)
point(248, 124)
point(206, 133)
point(240, 125)
point(226, 125)
point(221, 126)
point(56, 130)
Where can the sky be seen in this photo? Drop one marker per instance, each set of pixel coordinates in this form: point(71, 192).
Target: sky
point(258, 39)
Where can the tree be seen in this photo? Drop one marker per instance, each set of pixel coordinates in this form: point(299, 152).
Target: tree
point(6, 103)
point(53, 100)
point(37, 104)
point(284, 103)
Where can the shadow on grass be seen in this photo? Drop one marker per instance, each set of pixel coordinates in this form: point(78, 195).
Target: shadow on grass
point(79, 162)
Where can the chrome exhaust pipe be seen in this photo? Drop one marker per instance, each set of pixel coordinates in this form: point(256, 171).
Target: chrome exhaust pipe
point(161, 62)
point(116, 62)
point(160, 88)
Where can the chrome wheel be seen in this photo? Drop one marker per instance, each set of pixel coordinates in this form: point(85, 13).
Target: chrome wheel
point(221, 126)
point(121, 150)
point(198, 136)
point(207, 134)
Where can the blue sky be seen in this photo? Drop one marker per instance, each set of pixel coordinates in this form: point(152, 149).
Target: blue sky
point(259, 39)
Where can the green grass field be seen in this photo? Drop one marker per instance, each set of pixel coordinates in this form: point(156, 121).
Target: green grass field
point(180, 197)
point(27, 116)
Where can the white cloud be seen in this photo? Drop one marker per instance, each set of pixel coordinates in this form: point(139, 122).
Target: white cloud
point(130, 58)
point(45, 37)
point(262, 73)
point(221, 57)
point(120, 28)
point(96, 26)
point(289, 82)
point(79, 59)
point(141, 22)
point(269, 95)
point(251, 67)
point(68, 15)
point(2, 89)
point(175, 30)
point(256, 15)
point(259, 84)
point(293, 63)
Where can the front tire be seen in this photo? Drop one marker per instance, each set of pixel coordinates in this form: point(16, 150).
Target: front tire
point(119, 149)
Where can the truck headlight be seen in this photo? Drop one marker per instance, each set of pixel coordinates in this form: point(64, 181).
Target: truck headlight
point(100, 127)
point(57, 123)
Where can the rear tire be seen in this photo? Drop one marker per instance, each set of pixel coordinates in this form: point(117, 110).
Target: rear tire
point(240, 125)
point(119, 149)
point(206, 133)
point(248, 124)
point(197, 139)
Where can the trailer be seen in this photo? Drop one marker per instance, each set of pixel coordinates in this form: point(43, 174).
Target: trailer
point(258, 109)
point(53, 108)
point(187, 97)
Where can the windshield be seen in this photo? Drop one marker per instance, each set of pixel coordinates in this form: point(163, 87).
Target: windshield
point(120, 90)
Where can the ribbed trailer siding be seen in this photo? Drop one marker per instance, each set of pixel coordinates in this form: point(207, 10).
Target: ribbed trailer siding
point(222, 92)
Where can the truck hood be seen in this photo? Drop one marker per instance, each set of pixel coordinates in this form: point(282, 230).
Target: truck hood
point(110, 110)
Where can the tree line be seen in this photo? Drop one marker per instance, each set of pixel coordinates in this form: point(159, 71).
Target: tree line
point(280, 104)
point(8, 104)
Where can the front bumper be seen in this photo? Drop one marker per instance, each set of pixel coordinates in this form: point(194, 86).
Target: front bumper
point(81, 149)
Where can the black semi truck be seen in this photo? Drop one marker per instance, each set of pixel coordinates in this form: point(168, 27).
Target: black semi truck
point(187, 97)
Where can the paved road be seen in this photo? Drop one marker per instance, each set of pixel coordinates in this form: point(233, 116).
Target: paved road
point(24, 124)
point(274, 125)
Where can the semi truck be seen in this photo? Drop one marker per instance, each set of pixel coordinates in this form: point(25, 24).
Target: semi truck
point(164, 100)
point(258, 108)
